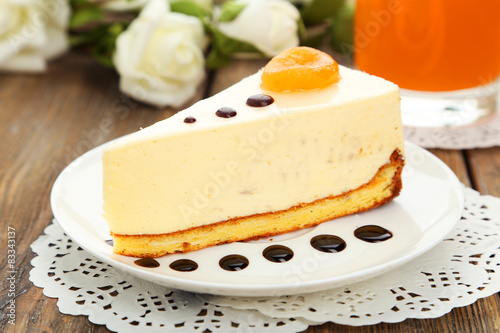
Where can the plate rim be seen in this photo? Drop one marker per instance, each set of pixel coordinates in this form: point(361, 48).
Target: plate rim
point(219, 288)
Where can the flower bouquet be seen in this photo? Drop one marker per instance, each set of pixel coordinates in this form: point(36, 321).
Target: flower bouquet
point(162, 49)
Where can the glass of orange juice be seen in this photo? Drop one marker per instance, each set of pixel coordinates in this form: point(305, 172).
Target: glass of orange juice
point(443, 54)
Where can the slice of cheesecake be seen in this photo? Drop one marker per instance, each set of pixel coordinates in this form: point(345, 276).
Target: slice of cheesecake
point(248, 163)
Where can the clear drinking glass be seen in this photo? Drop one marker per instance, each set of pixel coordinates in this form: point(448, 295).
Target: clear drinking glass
point(443, 54)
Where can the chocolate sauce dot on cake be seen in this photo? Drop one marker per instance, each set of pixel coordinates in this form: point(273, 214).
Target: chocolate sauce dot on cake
point(184, 265)
point(372, 233)
point(260, 100)
point(147, 262)
point(233, 262)
point(109, 242)
point(328, 243)
point(226, 112)
point(189, 120)
point(278, 253)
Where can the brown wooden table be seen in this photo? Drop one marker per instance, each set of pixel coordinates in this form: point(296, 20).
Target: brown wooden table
point(47, 121)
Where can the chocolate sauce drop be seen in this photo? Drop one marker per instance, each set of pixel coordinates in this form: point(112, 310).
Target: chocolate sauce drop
point(260, 100)
point(278, 253)
point(372, 233)
point(184, 265)
point(189, 120)
point(328, 243)
point(226, 112)
point(147, 262)
point(233, 262)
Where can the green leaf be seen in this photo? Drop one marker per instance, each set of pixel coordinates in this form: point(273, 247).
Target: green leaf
point(105, 46)
point(217, 60)
point(301, 29)
point(224, 47)
point(342, 29)
point(188, 8)
point(76, 3)
point(312, 37)
point(230, 10)
point(319, 10)
point(83, 16)
point(314, 40)
point(99, 42)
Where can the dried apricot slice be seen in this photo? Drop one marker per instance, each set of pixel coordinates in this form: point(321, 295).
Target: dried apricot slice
point(299, 68)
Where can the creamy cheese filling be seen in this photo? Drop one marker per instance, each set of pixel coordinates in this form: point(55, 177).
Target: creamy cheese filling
point(303, 147)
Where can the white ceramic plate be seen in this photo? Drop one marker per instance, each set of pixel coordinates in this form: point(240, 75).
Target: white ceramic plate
point(429, 206)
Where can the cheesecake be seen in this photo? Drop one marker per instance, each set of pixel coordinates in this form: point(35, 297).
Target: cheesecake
point(256, 160)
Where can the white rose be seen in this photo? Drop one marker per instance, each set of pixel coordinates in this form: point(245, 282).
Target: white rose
point(31, 33)
point(269, 25)
point(159, 57)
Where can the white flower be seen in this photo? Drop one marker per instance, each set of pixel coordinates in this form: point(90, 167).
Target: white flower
point(159, 57)
point(269, 25)
point(32, 32)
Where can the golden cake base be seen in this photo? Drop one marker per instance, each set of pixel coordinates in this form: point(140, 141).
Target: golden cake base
point(383, 187)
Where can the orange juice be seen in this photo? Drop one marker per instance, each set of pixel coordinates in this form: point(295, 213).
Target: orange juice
point(429, 45)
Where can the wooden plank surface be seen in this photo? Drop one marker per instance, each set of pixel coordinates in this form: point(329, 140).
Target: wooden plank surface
point(484, 165)
point(46, 121)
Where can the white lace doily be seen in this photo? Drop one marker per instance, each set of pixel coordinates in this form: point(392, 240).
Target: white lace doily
point(462, 268)
point(484, 134)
